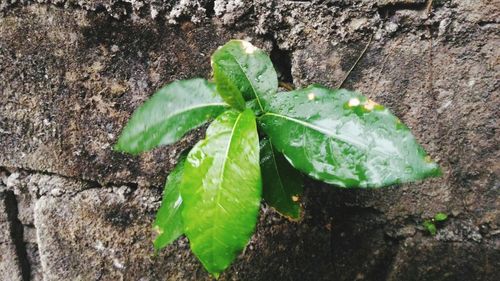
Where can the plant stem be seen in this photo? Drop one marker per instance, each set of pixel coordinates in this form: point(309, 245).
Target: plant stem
point(356, 62)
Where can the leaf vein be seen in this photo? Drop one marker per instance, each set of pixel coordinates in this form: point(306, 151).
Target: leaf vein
point(251, 85)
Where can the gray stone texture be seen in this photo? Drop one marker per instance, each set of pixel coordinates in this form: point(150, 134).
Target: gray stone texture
point(72, 72)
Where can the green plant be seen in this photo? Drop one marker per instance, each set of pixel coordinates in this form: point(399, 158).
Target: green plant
point(214, 193)
point(430, 225)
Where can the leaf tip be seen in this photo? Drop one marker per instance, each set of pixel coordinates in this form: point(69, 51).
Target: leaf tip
point(156, 251)
point(157, 245)
point(434, 170)
point(121, 146)
point(248, 47)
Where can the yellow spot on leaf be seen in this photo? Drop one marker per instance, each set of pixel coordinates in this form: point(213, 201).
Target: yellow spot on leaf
point(311, 96)
point(295, 198)
point(370, 105)
point(428, 159)
point(158, 230)
point(353, 102)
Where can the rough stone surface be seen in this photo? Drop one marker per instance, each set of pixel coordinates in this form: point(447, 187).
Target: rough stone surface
point(114, 241)
point(71, 72)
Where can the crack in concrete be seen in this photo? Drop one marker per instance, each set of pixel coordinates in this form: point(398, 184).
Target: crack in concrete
point(390, 9)
point(17, 235)
point(88, 184)
point(95, 183)
point(282, 61)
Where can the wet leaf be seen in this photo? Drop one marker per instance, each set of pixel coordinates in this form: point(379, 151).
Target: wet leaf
point(227, 89)
point(169, 114)
point(282, 184)
point(168, 221)
point(221, 189)
point(342, 138)
point(240, 65)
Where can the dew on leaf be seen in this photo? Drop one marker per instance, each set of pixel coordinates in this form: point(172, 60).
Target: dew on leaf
point(353, 102)
point(408, 170)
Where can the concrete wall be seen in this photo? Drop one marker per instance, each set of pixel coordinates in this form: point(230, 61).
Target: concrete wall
point(71, 73)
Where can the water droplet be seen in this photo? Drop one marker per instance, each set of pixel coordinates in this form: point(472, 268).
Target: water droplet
point(353, 102)
point(408, 170)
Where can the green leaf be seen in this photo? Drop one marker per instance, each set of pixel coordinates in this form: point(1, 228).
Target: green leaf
point(342, 138)
point(221, 189)
point(440, 217)
point(282, 184)
point(168, 221)
point(240, 65)
point(431, 227)
point(169, 114)
point(227, 90)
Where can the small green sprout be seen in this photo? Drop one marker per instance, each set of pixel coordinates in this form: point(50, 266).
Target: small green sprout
point(430, 225)
point(440, 217)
